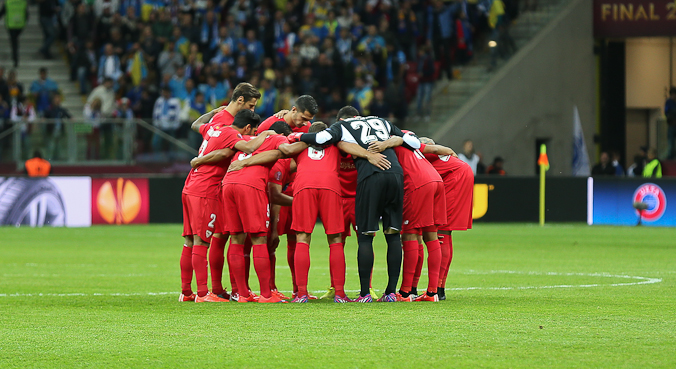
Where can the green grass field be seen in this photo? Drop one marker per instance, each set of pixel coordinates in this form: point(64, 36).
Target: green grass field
point(518, 295)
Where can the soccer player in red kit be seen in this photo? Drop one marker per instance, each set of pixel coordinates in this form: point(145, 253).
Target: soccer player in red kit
point(422, 183)
point(202, 207)
point(317, 193)
point(459, 186)
point(298, 118)
point(303, 111)
point(244, 96)
point(278, 178)
point(246, 202)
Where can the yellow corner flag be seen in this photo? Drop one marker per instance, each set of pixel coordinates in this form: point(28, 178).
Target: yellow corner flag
point(543, 162)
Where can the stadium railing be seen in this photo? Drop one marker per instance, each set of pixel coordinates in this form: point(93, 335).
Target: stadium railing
point(110, 142)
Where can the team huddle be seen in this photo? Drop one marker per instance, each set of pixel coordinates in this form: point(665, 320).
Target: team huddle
point(254, 181)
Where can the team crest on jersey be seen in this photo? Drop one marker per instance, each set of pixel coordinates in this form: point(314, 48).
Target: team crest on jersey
point(655, 198)
point(444, 157)
point(315, 154)
point(278, 176)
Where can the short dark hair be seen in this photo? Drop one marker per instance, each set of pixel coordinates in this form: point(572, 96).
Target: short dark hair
point(247, 90)
point(42, 70)
point(37, 154)
point(317, 127)
point(307, 103)
point(347, 112)
point(672, 90)
point(281, 127)
point(246, 117)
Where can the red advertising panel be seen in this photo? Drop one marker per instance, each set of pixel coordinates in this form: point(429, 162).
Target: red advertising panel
point(634, 18)
point(120, 200)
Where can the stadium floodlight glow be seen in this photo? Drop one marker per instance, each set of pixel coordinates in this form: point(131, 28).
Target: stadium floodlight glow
point(492, 44)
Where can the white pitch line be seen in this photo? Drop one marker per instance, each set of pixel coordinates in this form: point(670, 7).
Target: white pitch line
point(639, 281)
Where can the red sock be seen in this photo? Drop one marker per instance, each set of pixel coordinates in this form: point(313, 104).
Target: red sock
point(233, 281)
point(236, 258)
point(446, 262)
point(337, 268)
point(216, 261)
point(302, 262)
point(290, 258)
point(410, 261)
point(433, 265)
point(199, 264)
point(261, 261)
point(419, 265)
point(186, 270)
point(273, 265)
point(247, 261)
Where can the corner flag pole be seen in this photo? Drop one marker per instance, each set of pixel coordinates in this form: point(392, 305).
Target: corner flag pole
point(543, 162)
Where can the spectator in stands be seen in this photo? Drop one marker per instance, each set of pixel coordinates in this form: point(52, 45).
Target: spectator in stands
point(670, 112)
point(426, 82)
point(653, 169)
point(84, 66)
point(37, 166)
point(214, 91)
point(619, 169)
point(469, 156)
point(170, 60)
point(54, 130)
point(162, 29)
point(497, 167)
point(440, 33)
point(109, 65)
point(92, 115)
point(106, 95)
point(463, 34)
point(4, 117)
point(379, 107)
point(14, 88)
point(48, 10)
point(166, 117)
point(360, 96)
point(137, 68)
point(42, 91)
point(604, 167)
point(269, 100)
point(22, 113)
point(4, 92)
point(16, 16)
point(372, 43)
point(636, 168)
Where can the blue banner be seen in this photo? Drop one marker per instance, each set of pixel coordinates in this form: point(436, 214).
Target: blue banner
point(622, 201)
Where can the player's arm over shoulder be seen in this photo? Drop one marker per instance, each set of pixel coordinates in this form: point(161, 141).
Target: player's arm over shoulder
point(437, 150)
point(253, 145)
point(328, 136)
point(204, 119)
point(411, 141)
point(212, 157)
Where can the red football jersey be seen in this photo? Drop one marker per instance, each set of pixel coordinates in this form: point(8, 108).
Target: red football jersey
point(203, 181)
point(417, 170)
point(257, 175)
point(266, 124)
point(318, 169)
point(223, 117)
point(348, 177)
point(281, 172)
point(444, 164)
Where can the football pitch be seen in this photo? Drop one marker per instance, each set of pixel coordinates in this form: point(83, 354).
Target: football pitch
point(518, 295)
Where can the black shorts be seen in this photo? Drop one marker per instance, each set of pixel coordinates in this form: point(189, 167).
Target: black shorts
point(380, 194)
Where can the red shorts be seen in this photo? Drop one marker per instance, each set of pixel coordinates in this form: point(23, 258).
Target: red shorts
point(248, 210)
point(312, 202)
point(425, 207)
point(348, 216)
point(459, 190)
point(201, 216)
point(284, 222)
